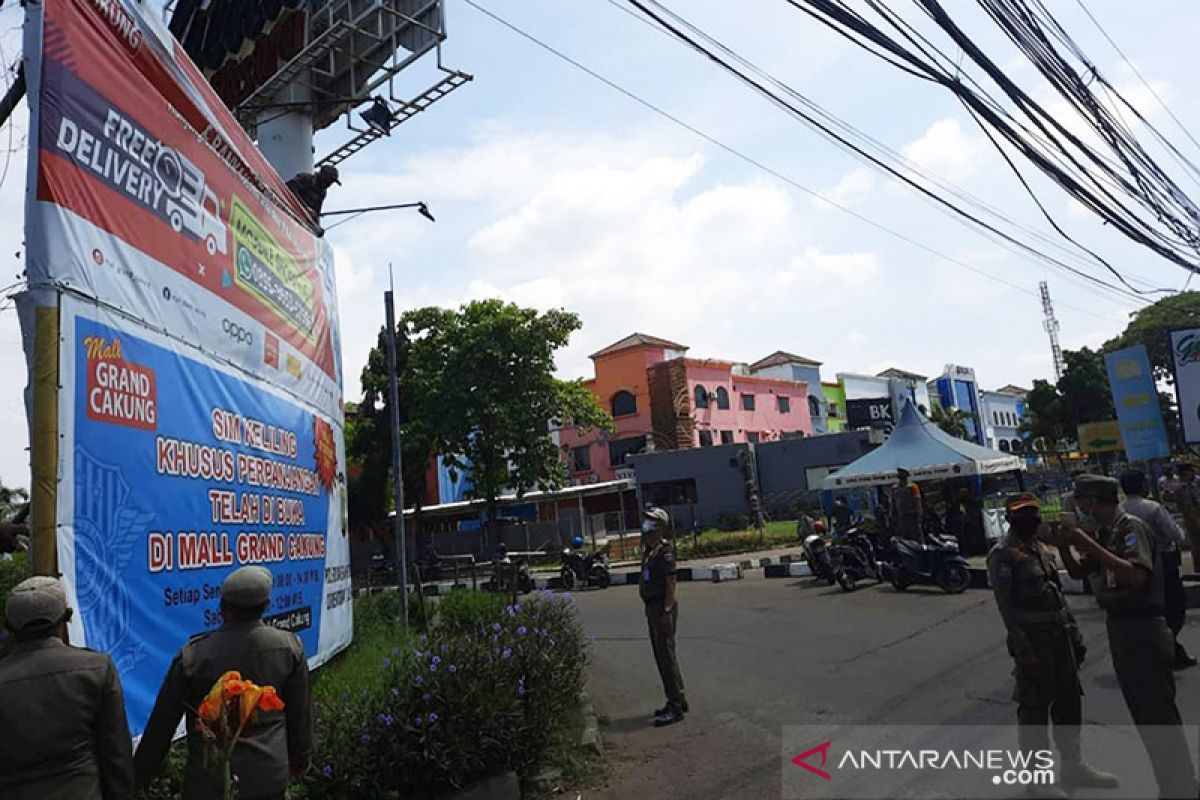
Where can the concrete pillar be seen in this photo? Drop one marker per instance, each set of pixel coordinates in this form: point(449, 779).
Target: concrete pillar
point(286, 139)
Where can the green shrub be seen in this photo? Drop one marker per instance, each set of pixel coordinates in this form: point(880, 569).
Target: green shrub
point(732, 522)
point(487, 690)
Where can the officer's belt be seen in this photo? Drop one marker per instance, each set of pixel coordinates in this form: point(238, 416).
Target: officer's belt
point(1044, 617)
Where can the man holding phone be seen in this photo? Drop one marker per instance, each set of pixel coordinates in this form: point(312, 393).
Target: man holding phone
point(1125, 573)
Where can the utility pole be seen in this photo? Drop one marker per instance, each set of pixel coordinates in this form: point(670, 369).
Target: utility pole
point(397, 464)
point(1050, 323)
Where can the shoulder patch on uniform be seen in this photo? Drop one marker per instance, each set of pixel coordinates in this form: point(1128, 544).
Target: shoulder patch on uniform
point(1131, 540)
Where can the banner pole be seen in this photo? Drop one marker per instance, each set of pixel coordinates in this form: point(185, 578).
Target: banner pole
point(44, 442)
point(397, 466)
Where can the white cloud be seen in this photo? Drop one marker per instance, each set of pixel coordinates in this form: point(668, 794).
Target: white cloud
point(946, 150)
point(854, 186)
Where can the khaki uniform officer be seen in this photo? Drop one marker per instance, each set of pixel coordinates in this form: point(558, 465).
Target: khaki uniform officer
point(1044, 641)
point(61, 708)
point(280, 745)
point(657, 589)
point(1125, 572)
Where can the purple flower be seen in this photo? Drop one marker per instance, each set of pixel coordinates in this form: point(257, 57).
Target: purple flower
point(366, 738)
point(395, 652)
point(417, 721)
point(419, 680)
point(387, 662)
point(496, 627)
point(381, 718)
point(507, 654)
point(389, 720)
point(437, 660)
point(433, 717)
point(328, 771)
point(427, 697)
point(453, 668)
point(521, 687)
point(521, 631)
point(433, 667)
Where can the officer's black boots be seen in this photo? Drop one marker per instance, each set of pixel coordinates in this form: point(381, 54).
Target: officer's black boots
point(669, 716)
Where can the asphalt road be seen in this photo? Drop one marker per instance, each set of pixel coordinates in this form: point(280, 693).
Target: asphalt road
point(759, 654)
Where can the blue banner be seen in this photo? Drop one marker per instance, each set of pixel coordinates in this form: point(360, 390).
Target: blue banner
point(183, 473)
point(1136, 399)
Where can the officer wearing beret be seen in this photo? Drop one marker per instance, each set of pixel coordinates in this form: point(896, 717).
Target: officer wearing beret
point(1123, 567)
point(280, 745)
point(657, 590)
point(1044, 641)
point(61, 707)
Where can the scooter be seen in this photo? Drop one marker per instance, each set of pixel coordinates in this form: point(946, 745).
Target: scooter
point(938, 563)
point(854, 559)
point(583, 568)
point(816, 553)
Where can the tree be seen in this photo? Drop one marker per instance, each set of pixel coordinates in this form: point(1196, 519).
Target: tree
point(1150, 327)
point(1044, 418)
point(477, 386)
point(1084, 388)
point(951, 420)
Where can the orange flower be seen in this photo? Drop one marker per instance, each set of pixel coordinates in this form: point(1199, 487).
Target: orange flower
point(269, 701)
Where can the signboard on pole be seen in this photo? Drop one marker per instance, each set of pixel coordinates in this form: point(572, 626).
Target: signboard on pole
point(1136, 400)
point(1100, 437)
point(1185, 360)
point(194, 338)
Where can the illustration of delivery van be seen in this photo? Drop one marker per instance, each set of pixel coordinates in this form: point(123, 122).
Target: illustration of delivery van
point(190, 205)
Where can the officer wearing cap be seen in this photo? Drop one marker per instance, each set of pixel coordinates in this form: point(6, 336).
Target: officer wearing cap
point(657, 589)
point(907, 505)
point(1125, 572)
point(280, 745)
point(1045, 643)
point(310, 188)
point(61, 707)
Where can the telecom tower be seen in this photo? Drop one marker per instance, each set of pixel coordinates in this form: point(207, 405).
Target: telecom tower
point(1050, 323)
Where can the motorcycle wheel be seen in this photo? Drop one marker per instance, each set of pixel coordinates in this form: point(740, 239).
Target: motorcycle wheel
point(568, 578)
point(600, 577)
point(953, 578)
point(901, 580)
point(845, 580)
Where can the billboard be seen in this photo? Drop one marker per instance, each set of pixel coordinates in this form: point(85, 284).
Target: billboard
point(1185, 360)
point(182, 303)
point(870, 412)
point(1136, 399)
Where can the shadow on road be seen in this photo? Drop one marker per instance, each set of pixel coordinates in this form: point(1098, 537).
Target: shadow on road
point(627, 724)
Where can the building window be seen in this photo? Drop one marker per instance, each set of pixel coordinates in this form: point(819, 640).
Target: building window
point(722, 398)
point(619, 449)
point(752, 436)
point(833, 410)
point(1018, 446)
point(726, 437)
point(581, 459)
point(706, 438)
point(701, 397)
point(670, 493)
point(747, 402)
point(995, 418)
point(1004, 445)
point(623, 404)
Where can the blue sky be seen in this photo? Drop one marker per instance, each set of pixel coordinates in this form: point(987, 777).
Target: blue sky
point(552, 190)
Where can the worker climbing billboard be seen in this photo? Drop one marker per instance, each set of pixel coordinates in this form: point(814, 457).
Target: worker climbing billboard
point(181, 330)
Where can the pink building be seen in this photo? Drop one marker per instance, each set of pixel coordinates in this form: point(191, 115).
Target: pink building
point(662, 400)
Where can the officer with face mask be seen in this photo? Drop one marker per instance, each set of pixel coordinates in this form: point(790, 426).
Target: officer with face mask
point(1044, 641)
point(1124, 570)
point(657, 589)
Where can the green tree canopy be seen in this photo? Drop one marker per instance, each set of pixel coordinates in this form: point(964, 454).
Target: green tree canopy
point(477, 386)
point(1150, 326)
point(951, 420)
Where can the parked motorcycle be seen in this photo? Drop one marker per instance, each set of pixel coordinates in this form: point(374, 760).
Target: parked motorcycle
point(580, 568)
point(511, 576)
point(938, 562)
point(854, 559)
point(816, 553)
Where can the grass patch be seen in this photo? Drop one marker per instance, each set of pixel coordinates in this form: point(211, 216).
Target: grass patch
point(715, 543)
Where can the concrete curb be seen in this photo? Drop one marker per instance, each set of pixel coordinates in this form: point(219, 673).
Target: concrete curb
point(590, 738)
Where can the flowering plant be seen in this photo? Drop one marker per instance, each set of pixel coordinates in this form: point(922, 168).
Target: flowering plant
point(227, 712)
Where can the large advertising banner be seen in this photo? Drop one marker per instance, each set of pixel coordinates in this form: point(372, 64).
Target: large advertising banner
point(183, 471)
point(1136, 399)
point(191, 315)
point(1185, 359)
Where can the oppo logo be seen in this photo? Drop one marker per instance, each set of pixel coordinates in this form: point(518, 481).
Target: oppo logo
point(237, 332)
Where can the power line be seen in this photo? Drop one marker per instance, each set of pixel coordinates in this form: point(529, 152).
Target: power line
point(729, 149)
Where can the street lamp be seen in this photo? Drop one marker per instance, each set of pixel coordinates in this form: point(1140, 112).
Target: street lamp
point(421, 208)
